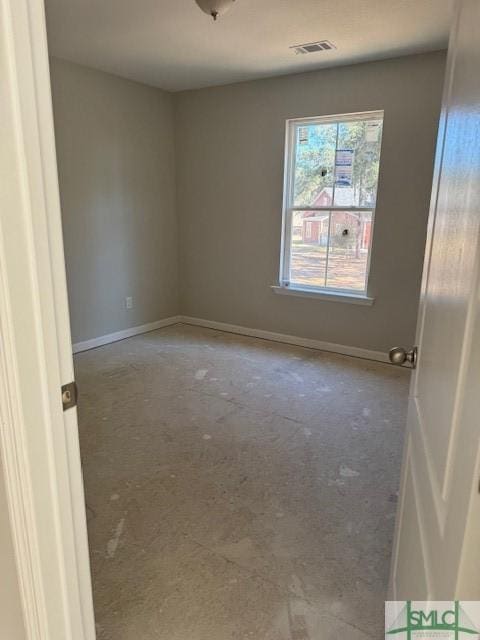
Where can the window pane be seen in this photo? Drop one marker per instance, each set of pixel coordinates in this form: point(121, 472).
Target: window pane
point(348, 250)
point(335, 164)
point(356, 163)
point(314, 164)
point(308, 257)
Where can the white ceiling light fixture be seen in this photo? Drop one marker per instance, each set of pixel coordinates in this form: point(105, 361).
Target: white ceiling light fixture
point(215, 8)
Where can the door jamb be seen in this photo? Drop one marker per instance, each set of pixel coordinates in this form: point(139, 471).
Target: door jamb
point(38, 441)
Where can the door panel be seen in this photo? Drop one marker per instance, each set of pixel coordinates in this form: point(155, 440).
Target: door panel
point(440, 472)
point(414, 568)
point(452, 270)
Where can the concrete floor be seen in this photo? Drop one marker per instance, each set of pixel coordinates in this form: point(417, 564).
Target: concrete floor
point(238, 488)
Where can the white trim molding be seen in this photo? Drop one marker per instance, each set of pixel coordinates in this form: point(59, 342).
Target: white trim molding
point(38, 440)
point(93, 343)
point(16, 476)
point(329, 296)
point(309, 343)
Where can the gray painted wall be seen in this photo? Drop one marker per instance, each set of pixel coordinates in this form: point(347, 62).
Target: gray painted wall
point(118, 173)
point(229, 152)
point(11, 618)
point(115, 149)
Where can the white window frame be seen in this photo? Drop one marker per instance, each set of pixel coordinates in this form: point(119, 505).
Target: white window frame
point(292, 125)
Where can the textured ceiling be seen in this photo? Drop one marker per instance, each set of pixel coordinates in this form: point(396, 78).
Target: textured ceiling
point(173, 45)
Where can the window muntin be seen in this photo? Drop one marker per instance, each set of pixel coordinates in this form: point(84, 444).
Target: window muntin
point(331, 180)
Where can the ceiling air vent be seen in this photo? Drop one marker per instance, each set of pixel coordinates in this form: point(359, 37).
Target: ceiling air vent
point(313, 47)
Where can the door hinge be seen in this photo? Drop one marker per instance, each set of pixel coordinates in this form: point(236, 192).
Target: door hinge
point(69, 395)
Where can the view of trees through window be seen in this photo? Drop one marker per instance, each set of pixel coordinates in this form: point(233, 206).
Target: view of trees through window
point(333, 188)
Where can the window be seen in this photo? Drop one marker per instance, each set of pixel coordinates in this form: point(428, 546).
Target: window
point(331, 176)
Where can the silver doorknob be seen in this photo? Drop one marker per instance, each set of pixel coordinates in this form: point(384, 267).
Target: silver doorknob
point(399, 355)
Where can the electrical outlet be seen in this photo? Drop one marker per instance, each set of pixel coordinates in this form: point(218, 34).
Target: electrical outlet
point(129, 302)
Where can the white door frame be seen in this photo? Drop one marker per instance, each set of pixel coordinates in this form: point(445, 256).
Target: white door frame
point(38, 441)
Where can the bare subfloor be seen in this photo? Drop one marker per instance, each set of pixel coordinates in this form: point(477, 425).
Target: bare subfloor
point(238, 488)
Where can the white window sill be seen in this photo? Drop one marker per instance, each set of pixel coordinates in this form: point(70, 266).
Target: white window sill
point(331, 296)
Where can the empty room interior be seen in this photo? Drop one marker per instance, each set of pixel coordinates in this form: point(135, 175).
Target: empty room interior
point(244, 202)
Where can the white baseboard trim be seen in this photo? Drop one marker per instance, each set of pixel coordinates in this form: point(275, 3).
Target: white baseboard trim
point(345, 350)
point(125, 333)
point(309, 343)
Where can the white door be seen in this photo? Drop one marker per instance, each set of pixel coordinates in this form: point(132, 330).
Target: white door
point(433, 558)
point(38, 440)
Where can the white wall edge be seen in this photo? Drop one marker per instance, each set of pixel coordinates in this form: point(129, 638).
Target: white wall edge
point(309, 343)
point(86, 345)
